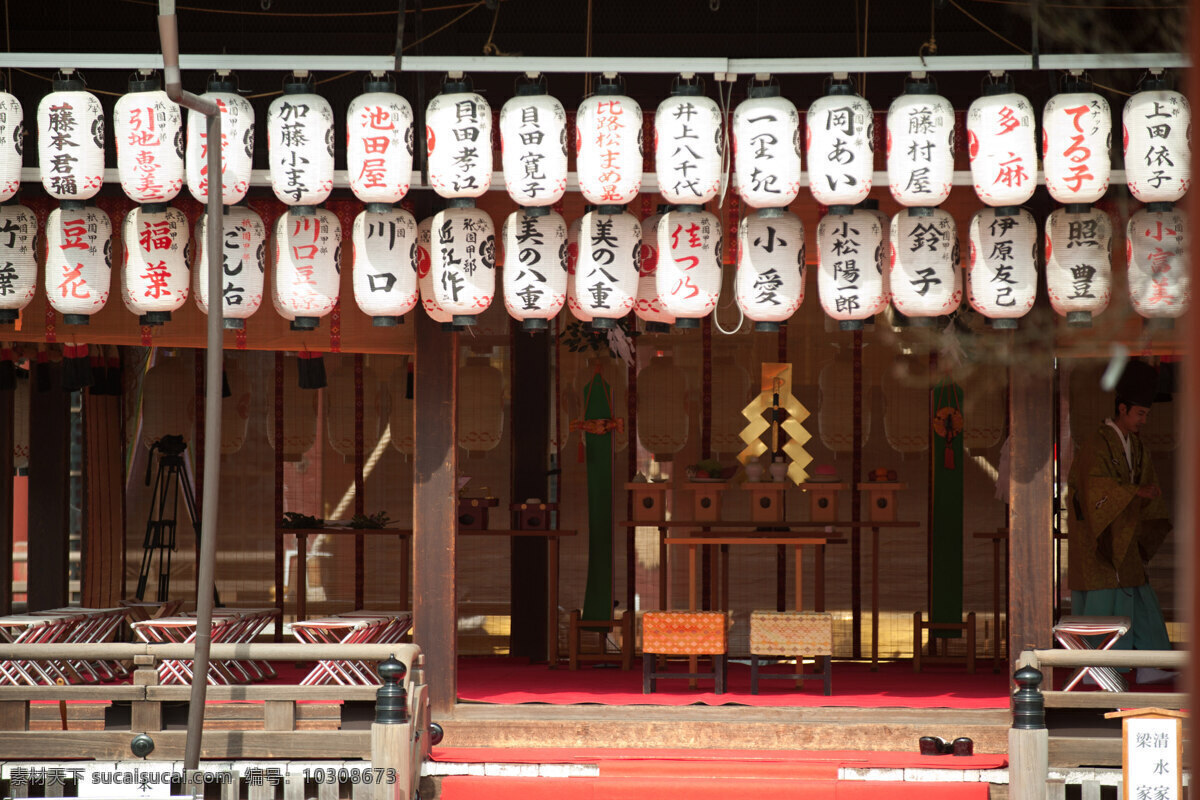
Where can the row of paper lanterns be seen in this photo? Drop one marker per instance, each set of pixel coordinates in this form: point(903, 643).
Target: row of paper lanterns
point(155, 158)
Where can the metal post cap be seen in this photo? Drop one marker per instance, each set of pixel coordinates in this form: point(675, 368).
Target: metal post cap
point(391, 701)
point(142, 745)
point(1029, 710)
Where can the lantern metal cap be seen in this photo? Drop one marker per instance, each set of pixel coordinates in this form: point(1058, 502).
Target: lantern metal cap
point(766, 327)
point(764, 90)
point(921, 211)
point(225, 209)
point(460, 202)
point(303, 211)
point(1160, 208)
point(684, 323)
point(610, 209)
point(67, 84)
point(530, 89)
point(922, 322)
point(1004, 324)
point(144, 83)
point(534, 325)
point(662, 208)
point(589, 208)
point(1159, 324)
point(294, 86)
point(233, 323)
point(378, 208)
point(379, 83)
point(1007, 211)
point(154, 318)
point(850, 324)
point(535, 211)
point(687, 90)
point(871, 204)
point(1156, 83)
point(1075, 82)
point(385, 322)
point(840, 211)
point(464, 320)
point(1078, 208)
point(603, 323)
point(456, 86)
point(72, 205)
point(449, 327)
point(658, 327)
point(689, 208)
point(76, 319)
point(1079, 319)
point(154, 208)
point(221, 83)
point(922, 85)
point(608, 87)
point(306, 323)
point(8, 316)
point(1002, 85)
point(773, 212)
point(840, 89)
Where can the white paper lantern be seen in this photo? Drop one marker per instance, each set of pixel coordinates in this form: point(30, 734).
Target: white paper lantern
point(425, 273)
point(533, 146)
point(1079, 263)
point(840, 132)
point(463, 261)
point(1002, 146)
point(78, 261)
point(871, 206)
point(244, 265)
point(1158, 157)
point(535, 266)
point(906, 405)
point(308, 258)
point(648, 305)
point(480, 406)
point(662, 392)
point(770, 272)
point(379, 144)
point(608, 147)
point(850, 267)
point(12, 144)
point(18, 259)
point(688, 146)
point(340, 402)
point(71, 141)
point(766, 149)
point(1156, 249)
point(920, 146)
point(157, 278)
point(606, 274)
point(149, 131)
point(299, 419)
point(573, 303)
point(925, 277)
point(1002, 275)
point(835, 396)
point(458, 142)
point(300, 145)
point(731, 392)
point(688, 277)
point(237, 143)
point(1076, 140)
point(385, 264)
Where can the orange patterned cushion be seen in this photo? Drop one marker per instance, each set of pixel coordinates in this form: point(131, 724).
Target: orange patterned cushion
point(683, 633)
point(791, 633)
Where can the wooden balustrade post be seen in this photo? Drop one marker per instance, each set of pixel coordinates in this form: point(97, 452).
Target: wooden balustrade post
point(392, 736)
point(1028, 739)
point(146, 715)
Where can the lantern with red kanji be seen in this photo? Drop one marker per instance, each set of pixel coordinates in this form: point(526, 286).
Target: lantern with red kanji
point(1158, 158)
point(689, 264)
point(463, 260)
point(458, 141)
point(70, 125)
point(840, 131)
point(385, 263)
point(1001, 145)
point(851, 266)
point(648, 305)
point(1156, 249)
point(608, 146)
point(244, 264)
point(535, 265)
point(157, 278)
point(920, 145)
point(1079, 262)
point(573, 304)
point(78, 261)
point(18, 259)
point(533, 146)
point(308, 257)
point(925, 276)
point(300, 145)
point(379, 143)
point(770, 270)
point(688, 145)
point(12, 143)
point(1076, 139)
point(606, 273)
point(149, 132)
point(766, 148)
point(425, 274)
point(1002, 273)
point(237, 142)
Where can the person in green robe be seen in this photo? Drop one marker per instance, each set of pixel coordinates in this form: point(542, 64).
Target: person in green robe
point(1119, 520)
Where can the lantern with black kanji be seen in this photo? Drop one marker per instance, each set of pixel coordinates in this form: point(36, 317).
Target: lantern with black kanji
point(920, 145)
point(766, 148)
point(1158, 158)
point(70, 125)
point(608, 146)
point(149, 132)
point(425, 273)
point(385, 263)
point(1079, 262)
point(535, 265)
point(458, 141)
point(647, 306)
point(157, 278)
point(533, 146)
point(770, 271)
point(237, 142)
point(300, 144)
point(689, 276)
point(925, 277)
point(573, 304)
point(840, 132)
point(18, 260)
point(308, 257)
point(1156, 249)
point(379, 143)
point(850, 266)
point(78, 261)
point(1076, 140)
point(12, 144)
point(463, 260)
point(1001, 145)
point(606, 273)
point(688, 145)
point(1002, 273)
point(244, 264)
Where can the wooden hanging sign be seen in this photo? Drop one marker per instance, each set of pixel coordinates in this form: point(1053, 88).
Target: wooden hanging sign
point(1151, 752)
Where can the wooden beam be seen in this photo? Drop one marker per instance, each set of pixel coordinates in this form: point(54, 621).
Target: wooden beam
point(7, 409)
point(435, 514)
point(1187, 489)
point(103, 541)
point(49, 495)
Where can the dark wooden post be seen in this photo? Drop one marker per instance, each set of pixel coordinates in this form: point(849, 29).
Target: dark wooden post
point(1028, 739)
point(103, 541)
point(49, 495)
point(7, 408)
point(435, 513)
point(1188, 482)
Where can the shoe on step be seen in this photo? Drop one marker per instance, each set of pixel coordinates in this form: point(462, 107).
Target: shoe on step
point(934, 746)
point(963, 746)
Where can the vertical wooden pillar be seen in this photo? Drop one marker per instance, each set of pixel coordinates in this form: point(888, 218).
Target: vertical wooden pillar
point(360, 483)
point(49, 495)
point(7, 409)
point(103, 543)
point(1031, 502)
point(435, 517)
point(1188, 482)
point(855, 504)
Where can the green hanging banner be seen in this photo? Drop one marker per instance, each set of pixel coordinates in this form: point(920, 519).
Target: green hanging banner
point(946, 559)
point(596, 429)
